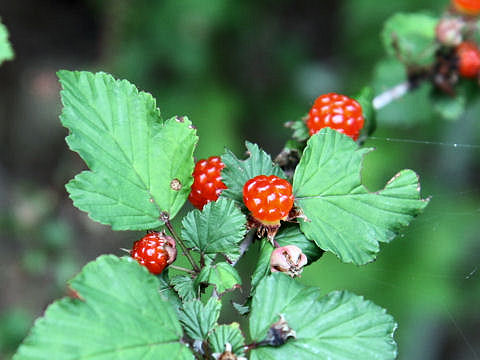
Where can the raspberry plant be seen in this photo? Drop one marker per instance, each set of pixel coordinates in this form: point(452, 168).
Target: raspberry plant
point(140, 176)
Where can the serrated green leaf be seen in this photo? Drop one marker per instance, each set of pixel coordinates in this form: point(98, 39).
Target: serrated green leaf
point(6, 51)
point(340, 325)
point(237, 172)
point(222, 275)
point(166, 291)
point(140, 166)
point(184, 286)
point(344, 217)
point(227, 334)
point(241, 309)
point(300, 129)
point(411, 37)
point(120, 315)
point(218, 228)
point(198, 319)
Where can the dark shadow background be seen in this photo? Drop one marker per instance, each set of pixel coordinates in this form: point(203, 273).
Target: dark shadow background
point(239, 70)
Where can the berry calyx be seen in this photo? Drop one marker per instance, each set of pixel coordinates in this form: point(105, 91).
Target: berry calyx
point(288, 259)
point(155, 251)
point(467, 7)
point(468, 59)
point(207, 181)
point(269, 198)
point(338, 112)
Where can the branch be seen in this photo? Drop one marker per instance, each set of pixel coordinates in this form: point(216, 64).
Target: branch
point(166, 219)
point(390, 95)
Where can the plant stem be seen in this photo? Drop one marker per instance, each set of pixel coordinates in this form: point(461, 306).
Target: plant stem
point(247, 241)
point(391, 94)
point(181, 269)
point(165, 218)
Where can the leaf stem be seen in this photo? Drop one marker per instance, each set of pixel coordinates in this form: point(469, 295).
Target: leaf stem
point(166, 219)
point(181, 269)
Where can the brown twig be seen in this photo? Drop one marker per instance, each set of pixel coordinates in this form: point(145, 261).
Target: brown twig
point(166, 219)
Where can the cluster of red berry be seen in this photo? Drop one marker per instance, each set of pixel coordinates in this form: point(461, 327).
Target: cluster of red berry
point(268, 198)
point(455, 30)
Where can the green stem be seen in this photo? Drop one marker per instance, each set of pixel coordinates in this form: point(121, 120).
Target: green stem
point(165, 218)
point(181, 269)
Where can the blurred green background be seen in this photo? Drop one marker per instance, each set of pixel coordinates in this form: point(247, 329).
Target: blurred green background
point(239, 70)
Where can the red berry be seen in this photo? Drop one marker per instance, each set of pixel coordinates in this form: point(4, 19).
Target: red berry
point(468, 59)
point(207, 182)
point(155, 251)
point(467, 7)
point(338, 112)
point(269, 198)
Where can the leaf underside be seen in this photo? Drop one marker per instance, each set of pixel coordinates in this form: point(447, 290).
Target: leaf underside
point(344, 217)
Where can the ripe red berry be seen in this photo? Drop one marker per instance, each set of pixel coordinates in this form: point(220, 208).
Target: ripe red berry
point(338, 112)
point(467, 7)
point(269, 198)
point(468, 59)
point(155, 251)
point(207, 182)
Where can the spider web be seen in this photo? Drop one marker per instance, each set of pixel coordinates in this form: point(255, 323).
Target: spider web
point(429, 277)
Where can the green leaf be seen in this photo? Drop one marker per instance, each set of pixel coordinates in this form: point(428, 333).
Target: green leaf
point(6, 51)
point(344, 217)
point(198, 319)
point(300, 129)
point(120, 315)
point(222, 275)
point(184, 286)
point(411, 37)
point(290, 234)
point(413, 108)
point(227, 334)
point(166, 291)
point(241, 309)
point(262, 268)
point(340, 325)
point(237, 172)
point(218, 228)
point(449, 107)
point(140, 166)
point(365, 99)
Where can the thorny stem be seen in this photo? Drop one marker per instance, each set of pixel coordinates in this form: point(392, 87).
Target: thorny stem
point(164, 217)
point(181, 269)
